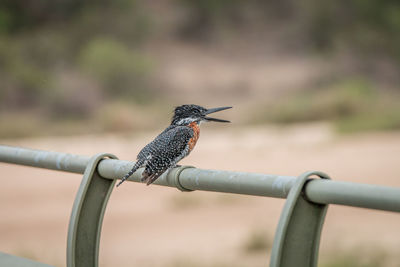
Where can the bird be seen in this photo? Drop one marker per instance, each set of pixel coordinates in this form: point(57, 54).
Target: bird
point(174, 143)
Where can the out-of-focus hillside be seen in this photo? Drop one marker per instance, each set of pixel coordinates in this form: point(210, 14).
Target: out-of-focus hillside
point(69, 67)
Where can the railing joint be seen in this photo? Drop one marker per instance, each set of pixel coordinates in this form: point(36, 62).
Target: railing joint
point(177, 182)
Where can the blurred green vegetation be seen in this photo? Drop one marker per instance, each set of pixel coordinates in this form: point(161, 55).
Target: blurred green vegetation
point(115, 66)
point(62, 62)
point(185, 202)
point(188, 202)
point(65, 63)
point(359, 257)
point(353, 105)
point(370, 28)
point(258, 241)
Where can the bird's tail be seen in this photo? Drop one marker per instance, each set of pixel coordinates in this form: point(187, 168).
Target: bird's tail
point(149, 178)
point(135, 168)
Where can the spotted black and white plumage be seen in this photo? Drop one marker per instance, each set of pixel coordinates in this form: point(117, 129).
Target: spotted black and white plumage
point(173, 144)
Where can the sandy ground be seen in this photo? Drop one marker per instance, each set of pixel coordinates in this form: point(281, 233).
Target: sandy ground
point(156, 226)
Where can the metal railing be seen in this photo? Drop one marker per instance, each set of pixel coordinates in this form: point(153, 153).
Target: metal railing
point(296, 241)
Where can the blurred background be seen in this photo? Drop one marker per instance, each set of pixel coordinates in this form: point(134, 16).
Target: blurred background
point(314, 85)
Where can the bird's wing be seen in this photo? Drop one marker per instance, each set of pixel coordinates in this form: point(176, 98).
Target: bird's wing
point(165, 151)
point(150, 147)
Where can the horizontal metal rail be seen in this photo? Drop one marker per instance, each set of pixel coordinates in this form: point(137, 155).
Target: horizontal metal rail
point(317, 190)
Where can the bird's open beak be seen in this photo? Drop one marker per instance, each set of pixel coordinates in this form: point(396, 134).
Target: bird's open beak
point(212, 110)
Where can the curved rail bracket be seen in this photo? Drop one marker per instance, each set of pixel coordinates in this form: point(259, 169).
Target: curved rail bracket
point(87, 215)
point(177, 183)
point(296, 241)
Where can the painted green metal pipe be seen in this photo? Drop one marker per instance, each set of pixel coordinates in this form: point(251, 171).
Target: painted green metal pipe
point(354, 194)
point(14, 261)
point(44, 159)
point(209, 180)
point(298, 234)
point(318, 191)
point(87, 214)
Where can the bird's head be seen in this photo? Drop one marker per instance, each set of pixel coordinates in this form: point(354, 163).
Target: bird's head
point(186, 114)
